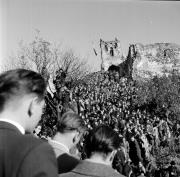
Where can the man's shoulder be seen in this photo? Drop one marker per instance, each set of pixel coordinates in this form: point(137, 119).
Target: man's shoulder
point(11, 138)
point(31, 139)
point(88, 168)
point(67, 157)
point(38, 156)
point(27, 144)
point(9, 131)
point(25, 153)
point(69, 162)
point(28, 139)
point(31, 143)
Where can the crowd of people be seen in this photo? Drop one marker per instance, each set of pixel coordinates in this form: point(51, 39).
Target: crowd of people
point(94, 128)
point(104, 98)
point(111, 100)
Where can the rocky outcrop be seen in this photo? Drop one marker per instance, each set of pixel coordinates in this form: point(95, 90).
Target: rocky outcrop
point(150, 60)
point(156, 59)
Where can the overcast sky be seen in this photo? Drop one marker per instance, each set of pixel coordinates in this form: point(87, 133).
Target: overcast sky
point(80, 24)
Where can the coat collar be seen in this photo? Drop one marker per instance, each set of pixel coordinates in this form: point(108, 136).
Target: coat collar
point(95, 169)
point(10, 126)
point(16, 124)
point(59, 145)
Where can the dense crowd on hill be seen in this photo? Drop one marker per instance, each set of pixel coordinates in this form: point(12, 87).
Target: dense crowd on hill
point(109, 100)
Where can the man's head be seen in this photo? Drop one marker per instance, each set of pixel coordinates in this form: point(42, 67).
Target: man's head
point(70, 126)
point(22, 97)
point(173, 163)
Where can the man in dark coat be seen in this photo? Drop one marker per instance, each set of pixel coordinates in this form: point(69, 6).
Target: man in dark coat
point(21, 103)
point(134, 151)
point(119, 160)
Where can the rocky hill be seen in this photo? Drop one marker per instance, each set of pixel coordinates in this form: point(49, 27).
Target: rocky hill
point(156, 59)
point(151, 60)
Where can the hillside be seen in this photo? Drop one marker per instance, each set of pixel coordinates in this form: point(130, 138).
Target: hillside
point(156, 59)
point(151, 60)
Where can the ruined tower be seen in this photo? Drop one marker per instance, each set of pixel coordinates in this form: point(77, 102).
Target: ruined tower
point(111, 53)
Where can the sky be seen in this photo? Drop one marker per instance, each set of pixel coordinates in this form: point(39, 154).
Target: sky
point(79, 24)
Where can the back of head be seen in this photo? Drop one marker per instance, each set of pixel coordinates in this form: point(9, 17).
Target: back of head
point(18, 83)
point(70, 121)
point(173, 162)
point(102, 139)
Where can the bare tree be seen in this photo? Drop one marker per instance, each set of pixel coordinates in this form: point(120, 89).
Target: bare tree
point(43, 57)
point(72, 65)
point(37, 55)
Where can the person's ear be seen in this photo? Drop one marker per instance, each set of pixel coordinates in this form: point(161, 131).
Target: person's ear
point(112, 155)
point(76, 138)
point(30, 109)
point(32, 105)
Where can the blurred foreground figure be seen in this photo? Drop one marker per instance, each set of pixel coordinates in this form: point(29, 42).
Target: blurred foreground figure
point(69, 130)
point(101, 146)
point(21, 103)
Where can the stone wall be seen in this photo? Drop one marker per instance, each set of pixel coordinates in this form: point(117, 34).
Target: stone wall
point(111, 53)
point(156, 59)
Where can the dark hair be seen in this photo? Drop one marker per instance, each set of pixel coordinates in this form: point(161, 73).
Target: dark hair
point(20, 82)
point(70, 121)
point(102, 139)
point(173, 162)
